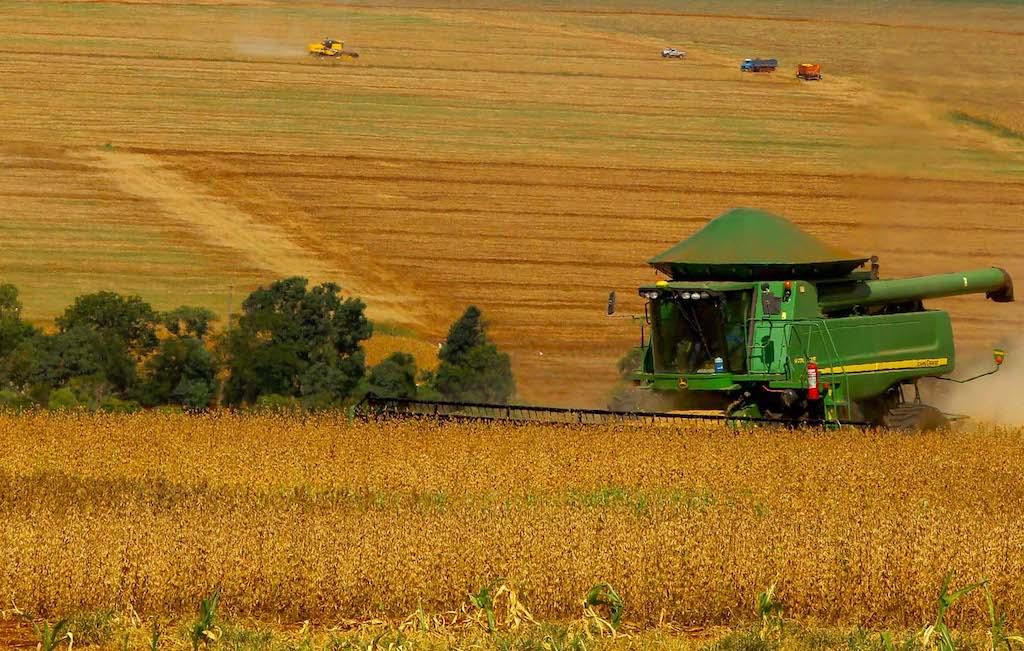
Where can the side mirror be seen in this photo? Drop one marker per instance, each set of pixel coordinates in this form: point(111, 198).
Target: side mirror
point(998, 356)
point(611, 302)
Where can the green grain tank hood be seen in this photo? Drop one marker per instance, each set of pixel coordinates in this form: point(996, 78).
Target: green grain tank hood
point(748, 244)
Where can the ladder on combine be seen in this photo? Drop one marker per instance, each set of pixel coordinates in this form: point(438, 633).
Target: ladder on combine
point(836, 368)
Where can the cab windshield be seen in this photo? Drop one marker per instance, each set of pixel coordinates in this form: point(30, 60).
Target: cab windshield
point(688, 334)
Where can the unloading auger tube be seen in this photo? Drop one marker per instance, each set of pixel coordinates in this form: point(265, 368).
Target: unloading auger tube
point(374, 408)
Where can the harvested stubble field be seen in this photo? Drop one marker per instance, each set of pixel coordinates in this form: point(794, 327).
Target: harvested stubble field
point(319, 518)
point(526, 158)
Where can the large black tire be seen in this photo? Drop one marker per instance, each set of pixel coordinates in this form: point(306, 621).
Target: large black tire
point(915, 416)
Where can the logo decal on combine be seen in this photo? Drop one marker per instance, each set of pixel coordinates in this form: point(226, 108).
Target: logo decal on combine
point(900, 365)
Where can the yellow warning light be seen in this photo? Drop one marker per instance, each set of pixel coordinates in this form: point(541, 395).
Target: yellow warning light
point(662, 283)
point(998, 356)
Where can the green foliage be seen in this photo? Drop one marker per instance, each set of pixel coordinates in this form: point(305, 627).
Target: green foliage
point(51, 637)
point(998, 632)
point(768, 608)
point(604, 605)
point(63, 400)
point(277, 402)
point(468, 332)
point(10, 304)
point(886, 641)
point(745, 640)
point(204, 631)
point(297, 342)
point(53, 360)
point(473, 369)
point(484, 600)
point(91, 390)
point(129, 320)
point(241, 637)
point(13, 331)
point(484, 374)
point(10, 399)
point(182, 372)
point(394, 377)
point(92, 628)
point(425, 389)
point(188, 321)
point(294, 343)
point(939, 631)
point(114, 405)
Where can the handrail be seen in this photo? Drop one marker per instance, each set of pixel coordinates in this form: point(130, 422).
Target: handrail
point(826, 335)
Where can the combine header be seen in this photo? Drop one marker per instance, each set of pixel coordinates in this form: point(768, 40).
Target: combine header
point(760, 321)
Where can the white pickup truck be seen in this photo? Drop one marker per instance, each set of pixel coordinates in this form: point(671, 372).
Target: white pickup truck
point(672, 53)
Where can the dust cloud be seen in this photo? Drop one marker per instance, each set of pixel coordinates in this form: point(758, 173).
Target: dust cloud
point(266, 47)
point(991, 399)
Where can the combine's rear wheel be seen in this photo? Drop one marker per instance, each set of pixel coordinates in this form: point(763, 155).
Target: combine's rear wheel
point(915, 416)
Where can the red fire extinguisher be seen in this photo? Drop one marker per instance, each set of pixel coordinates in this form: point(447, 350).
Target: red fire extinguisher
point(812, 380)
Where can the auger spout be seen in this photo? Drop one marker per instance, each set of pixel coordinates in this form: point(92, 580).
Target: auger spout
point(994, 282)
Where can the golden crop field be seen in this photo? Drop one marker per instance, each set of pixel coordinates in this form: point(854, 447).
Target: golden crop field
point(318, 518)
point(527, 158)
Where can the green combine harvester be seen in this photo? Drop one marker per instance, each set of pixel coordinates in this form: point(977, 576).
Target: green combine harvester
point(759, 321)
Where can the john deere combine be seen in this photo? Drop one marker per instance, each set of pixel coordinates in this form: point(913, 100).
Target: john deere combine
point(760, 319)
point(757, 320)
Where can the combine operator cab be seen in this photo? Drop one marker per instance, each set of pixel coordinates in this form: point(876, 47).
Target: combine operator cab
point(697, 331)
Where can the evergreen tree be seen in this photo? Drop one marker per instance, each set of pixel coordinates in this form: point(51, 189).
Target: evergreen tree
point(472, 369)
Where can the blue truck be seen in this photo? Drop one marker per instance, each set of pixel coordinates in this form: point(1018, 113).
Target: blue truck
point(759, 65)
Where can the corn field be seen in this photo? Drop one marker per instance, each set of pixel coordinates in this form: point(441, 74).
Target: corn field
point(315, 517)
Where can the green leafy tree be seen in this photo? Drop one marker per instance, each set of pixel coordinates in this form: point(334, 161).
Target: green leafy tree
point(188, 321)
point(472, 369)
point(468, 332)
point(126, 318)
point(103, 334)
point(299, 342)
point(181, 372)
point(483, 375)
point(42, 362)
point(52, 360)
point(394, 377)
point(13, 331)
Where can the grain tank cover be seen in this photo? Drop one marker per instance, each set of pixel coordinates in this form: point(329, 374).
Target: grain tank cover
point(748, 244)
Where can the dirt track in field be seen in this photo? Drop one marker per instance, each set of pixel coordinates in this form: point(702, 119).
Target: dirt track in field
point(265, 246)
point(526, 160)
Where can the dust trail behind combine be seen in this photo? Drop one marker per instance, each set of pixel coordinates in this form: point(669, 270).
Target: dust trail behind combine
point(267, 47)
point(991, 399)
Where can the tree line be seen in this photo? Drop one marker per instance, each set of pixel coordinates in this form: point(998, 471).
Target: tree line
point(292, 345)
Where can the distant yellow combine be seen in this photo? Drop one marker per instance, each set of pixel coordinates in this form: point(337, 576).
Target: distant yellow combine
point(331, 49)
